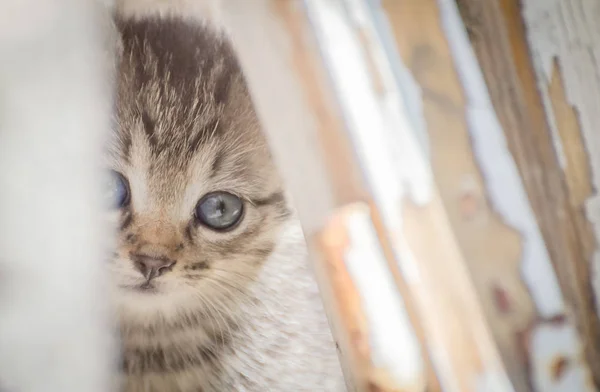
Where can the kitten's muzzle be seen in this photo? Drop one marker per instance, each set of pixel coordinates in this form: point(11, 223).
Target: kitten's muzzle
point(152, 267)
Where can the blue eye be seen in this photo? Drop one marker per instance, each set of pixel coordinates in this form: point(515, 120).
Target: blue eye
point(117, 190)
point(219, 211)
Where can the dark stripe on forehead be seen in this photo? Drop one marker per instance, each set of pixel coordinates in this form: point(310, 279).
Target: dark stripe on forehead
point(125, 142)
point(118, 145)
point(179, 74)
point(182, 51)
point(149, 129)
point(222, 83)
point(210, 131)
point(217, 163)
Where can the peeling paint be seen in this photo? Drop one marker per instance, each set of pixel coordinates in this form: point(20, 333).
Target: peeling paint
point(504, 185)
point(507, 195)
point(570, 33)
point(557, 367)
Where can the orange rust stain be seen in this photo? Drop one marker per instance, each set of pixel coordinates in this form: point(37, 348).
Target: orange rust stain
point(333, 243)
point(469, 205)
point(558, 367)
point(381, 381)
point(502, 299)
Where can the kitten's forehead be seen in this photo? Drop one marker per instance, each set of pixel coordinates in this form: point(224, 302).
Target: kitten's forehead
point(180, 85)
point(183, 112)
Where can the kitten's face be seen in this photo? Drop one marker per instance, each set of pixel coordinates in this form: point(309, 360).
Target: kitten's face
point(195, 197)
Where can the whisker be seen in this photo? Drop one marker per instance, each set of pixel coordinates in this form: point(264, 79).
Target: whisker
point(224, 306)
point(254, 302)
point(224, 317)
point(206, 311)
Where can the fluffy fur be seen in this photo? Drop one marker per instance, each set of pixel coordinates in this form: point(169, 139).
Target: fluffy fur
point(239, 310)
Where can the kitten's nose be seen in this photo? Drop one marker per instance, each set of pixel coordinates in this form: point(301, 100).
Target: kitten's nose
point(152, 267)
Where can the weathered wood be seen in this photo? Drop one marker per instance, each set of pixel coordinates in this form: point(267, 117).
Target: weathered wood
point(287, 66)
point(565, 48)
point(300, 114)
point(490, 248)
point(550, 152)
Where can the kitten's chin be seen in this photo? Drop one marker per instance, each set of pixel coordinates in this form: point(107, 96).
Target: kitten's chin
point(153, 291)
point(128, 284)
point(142, 298)
point(150, 288)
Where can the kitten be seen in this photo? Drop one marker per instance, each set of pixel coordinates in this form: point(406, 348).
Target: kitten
point(212, 290)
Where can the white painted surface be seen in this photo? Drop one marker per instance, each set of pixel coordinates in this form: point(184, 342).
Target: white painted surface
point(390, 154)
point(369, 129)
point(54, 108)
point(569, 32)
point(508, 196)
point(393, 166)
point(393, 342)
point(504, 186)
point(404, 85)
point(565, 344)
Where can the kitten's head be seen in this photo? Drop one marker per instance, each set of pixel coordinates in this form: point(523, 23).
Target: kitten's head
point(195, 195)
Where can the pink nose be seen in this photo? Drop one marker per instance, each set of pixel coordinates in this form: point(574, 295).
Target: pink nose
point(152, 267)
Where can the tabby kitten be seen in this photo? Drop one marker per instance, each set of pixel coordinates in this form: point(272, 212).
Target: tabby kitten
point(212, 289)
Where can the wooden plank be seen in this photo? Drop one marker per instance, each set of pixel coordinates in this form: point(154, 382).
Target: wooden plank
point(498, 35)
point(491, 249)
point(292, 91)
point(506, 257)
point(301, 117)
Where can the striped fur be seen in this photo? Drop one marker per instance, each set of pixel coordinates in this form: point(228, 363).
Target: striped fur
point(185, 127)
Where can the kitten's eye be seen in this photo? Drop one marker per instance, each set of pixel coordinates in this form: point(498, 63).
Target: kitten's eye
point(116, 190)
point(219, 210)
